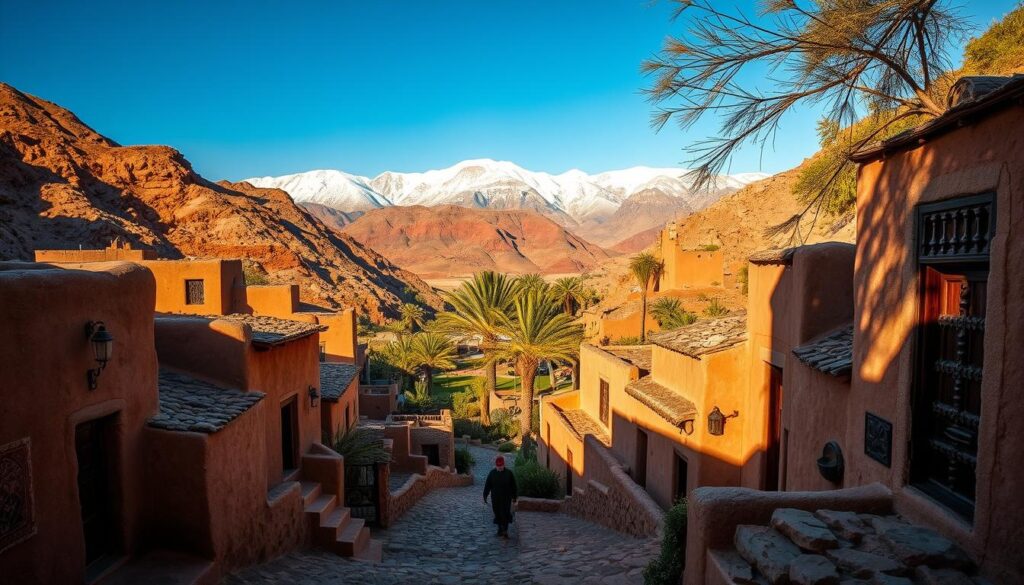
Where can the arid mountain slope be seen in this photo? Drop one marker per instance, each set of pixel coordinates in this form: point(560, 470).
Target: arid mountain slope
point(451, 240)
point(63, 185)
point(331, 217)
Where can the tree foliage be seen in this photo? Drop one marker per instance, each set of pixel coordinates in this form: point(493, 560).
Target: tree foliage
point(874, 60)
point(645, 268)
point(670, 314)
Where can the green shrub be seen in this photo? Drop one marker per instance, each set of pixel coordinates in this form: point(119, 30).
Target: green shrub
point(527, 452)
point(667, 568)
point(715, 309)
point(743, 277)
point(507, 447)
point(253, 274)
point(465, 405)
point(462, 427)
point(715, 283)
point(359, 446)
point(464, 461)
point(710, 247)
point(420, 400)
point(627, 340)
point(533, 480)
point(702, 297)
point(503, 425)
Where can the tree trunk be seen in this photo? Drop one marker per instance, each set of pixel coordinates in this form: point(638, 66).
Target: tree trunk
point(428, 376)
point(491, 382)
point(527, 372)
point(551, 375)
point(643, 315)
point(576, 374)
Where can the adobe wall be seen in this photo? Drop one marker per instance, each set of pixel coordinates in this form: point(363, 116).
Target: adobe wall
point(222, 279)
point(46, 395)
point(628, 326)
point(690, 268)
point(376, 406)
point(332, 414)
point(286, 372)
point(977, 158)
point(611, 498)
point(596, 365)
point(210, 349)
point(109, 254)
point(403, 458)
point(276, 300)
point(340, 340)
point(397, 503)
point(557, 439)
point(443, 438)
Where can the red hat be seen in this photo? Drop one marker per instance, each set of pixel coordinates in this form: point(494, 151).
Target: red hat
point(499, 461)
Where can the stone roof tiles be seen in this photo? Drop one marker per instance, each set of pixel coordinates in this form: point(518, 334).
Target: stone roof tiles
point(832, 353)
point(705, 336)
point(270, 331)
point(781, 256)
point(639, 356)
point(335, 379)
point(188, 404)
point(669, 405)
point(581, 425)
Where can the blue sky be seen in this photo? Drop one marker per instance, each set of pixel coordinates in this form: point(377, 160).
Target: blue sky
point(268, 88)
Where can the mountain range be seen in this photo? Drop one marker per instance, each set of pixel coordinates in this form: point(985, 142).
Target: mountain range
point(64, 186)
point(589, 205)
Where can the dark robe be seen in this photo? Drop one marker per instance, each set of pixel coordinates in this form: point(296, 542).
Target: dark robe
point(501, 486)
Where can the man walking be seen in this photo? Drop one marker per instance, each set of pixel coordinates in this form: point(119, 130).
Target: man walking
point(501, 486)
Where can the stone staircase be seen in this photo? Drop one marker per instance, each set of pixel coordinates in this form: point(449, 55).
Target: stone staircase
point(332, 526)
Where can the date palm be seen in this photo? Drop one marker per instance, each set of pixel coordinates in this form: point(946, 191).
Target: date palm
point(430, 352)
point(475, 309)
point(412, 316)
point(531, 281)
point(535, 329)
point(400, 355)
point(571, 292)
point(645, 268)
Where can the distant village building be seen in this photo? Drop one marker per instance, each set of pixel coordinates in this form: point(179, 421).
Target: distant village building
point(865, 411)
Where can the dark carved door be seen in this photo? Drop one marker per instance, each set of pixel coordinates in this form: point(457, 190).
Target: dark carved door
point(953, 250)
point(290, 435)
point(640, 473)
point(93, 446)
point(772, 460)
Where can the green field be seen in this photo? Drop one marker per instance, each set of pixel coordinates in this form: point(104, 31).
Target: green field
point(447, 384)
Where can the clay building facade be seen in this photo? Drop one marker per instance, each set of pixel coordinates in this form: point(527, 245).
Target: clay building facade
point(681, 268)
point(905, 391)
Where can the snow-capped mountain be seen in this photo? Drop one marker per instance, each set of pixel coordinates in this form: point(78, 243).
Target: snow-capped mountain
point(572, 198)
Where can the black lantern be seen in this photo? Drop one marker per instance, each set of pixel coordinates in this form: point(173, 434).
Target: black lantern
point(314, 397)
point(716, 421)
point(102, 348)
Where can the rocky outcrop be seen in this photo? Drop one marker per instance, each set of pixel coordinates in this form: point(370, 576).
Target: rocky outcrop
point(450, 240)
point(63, 185)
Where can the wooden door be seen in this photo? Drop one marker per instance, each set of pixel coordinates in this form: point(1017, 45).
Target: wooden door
point(772, 454)
point(640, 472)
point(94, 446)
point(432, 453)
point(568, 472)
point(290, 435)
point(682, 477)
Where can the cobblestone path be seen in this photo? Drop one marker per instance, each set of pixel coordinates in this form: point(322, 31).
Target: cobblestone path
point(448, 537)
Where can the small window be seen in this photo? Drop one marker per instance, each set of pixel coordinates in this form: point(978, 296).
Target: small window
point(195, 292)
point(604, 402)
point(323, 351)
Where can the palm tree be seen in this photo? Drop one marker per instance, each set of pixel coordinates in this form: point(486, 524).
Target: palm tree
point(531, 281)
point(670, 314)
point(475, 309)
point(432, 351)
point(645, 268)
point(570, 292)
point(399, 354)
point(535, 329)
point(412, 316)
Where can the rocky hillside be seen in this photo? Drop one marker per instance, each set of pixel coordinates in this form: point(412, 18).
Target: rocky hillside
point(63, 185)
point(449, 240)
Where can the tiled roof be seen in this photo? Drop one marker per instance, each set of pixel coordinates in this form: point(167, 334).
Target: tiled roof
point(273, 331)
point(188, 404)
point(705, 336)
point(783, 256)
point(670, 406)
point(639, 356)
point(581, 425)
point(832, 354)
point(335, 378)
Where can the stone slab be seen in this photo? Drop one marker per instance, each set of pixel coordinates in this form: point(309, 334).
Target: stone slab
point(813, 570)
point(804, 529)
point(768, 550)
point(864, 565)
point(845, 524)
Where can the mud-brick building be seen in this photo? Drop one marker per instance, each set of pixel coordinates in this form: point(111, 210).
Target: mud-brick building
point(134, 447)
point(903, 419)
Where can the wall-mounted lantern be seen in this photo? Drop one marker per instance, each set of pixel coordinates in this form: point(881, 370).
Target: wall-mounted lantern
point(314, 397)
point(686, 427)
point(102, 343)
point(716, 421)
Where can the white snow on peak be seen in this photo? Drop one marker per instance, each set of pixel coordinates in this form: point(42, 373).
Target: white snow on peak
point(493, 184)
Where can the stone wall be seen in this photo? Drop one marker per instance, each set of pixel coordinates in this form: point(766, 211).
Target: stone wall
point(395, 504)
point(611, 498)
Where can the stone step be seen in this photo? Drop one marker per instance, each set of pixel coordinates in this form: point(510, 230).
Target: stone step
point(332, 525)
point(323, 504)
point(353, 538)
point(311, 490)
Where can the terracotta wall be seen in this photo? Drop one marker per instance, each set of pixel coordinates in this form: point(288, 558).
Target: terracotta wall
point(375, 405)
point(689, 268)
point(597, 365)
point(340, 340)
point(629, 326)
point(403, 458)
point(110, 254)
point(977, 158)
point(276, 300)
point(45, 396)
point(222, 279)
point(557, 440)
point(332, 414)
point(395, 504)
point(443, 438)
